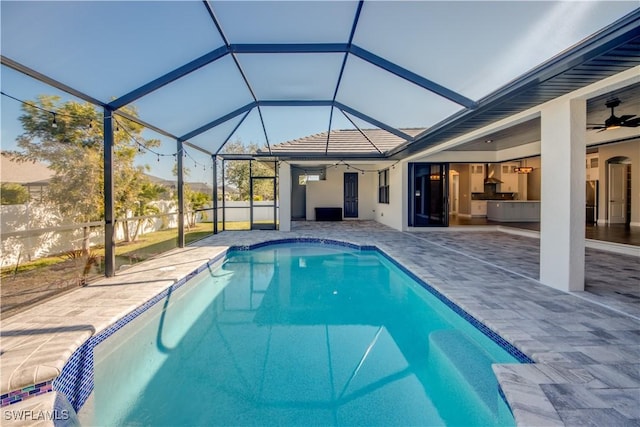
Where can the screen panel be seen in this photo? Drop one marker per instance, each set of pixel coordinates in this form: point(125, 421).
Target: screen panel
point(196, 99)
point(389, 98)
point(302, 76)
point(286, 21)
point(67, 40)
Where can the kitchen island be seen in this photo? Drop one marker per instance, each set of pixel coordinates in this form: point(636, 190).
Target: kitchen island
point(513, 210)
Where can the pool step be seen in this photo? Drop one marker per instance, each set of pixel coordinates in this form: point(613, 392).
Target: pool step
point(469, 363)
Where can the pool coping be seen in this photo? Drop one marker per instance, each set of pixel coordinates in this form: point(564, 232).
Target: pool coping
point(512, 379)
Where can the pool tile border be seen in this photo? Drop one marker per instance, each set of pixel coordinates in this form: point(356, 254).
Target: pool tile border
point(76, 379)
point(504, 344)
point(26, 392)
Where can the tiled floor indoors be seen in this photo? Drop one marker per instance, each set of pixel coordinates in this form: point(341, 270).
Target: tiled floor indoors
point(617, 233)
point(587, 370)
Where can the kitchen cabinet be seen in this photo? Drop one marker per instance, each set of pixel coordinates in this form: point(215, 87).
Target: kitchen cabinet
point(513, 210)
point(509, 177)
point(592, 172)
point(478, 208)
point(477, 178)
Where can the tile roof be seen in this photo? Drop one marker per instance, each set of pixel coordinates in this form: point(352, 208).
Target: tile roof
point(344, 141)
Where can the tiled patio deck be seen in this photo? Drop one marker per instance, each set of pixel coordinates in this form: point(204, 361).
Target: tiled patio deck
point(587, 369)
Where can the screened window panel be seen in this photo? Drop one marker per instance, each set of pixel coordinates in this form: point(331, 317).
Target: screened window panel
point(213, 139)
point(474, 48)
point(289, 123)
point(67, 41)
point(196, 99)
point(380, 138)
point(390, 99)
point(340, 121)
point(292, 76)
point(248, 137)
point(26, 89)
point(286, 21)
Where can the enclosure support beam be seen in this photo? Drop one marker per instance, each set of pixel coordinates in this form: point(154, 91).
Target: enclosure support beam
point(180, 157)
point(215, 194)
point(224, 207)
point(109, 212)
point(373, 121)
point(170, 77)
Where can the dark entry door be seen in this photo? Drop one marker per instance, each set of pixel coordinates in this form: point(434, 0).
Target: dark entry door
point(350, 195)
point(428, 195)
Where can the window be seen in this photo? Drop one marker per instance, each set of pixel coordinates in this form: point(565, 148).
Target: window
point(383, 186)
point(303, 179)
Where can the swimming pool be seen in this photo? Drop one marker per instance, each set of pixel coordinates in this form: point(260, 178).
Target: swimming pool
point(299, 334)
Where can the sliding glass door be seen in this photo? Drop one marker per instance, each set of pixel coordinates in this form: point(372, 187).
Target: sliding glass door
point(428, 195)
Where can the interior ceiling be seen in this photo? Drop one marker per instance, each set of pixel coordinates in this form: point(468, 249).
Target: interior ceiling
point(529, 131)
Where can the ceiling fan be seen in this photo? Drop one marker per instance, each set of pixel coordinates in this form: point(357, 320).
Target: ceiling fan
point(615, 122)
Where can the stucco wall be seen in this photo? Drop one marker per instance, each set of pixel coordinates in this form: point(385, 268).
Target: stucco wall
point(391, 214)
point(534, 178)
point(330, 192)
point(632, 151)
point(298, 195)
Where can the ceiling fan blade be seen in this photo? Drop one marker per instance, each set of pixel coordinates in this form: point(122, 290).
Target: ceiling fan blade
point(631, 123)
point(626, 117)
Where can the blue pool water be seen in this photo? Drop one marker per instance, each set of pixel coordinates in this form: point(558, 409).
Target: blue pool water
point(299, 334)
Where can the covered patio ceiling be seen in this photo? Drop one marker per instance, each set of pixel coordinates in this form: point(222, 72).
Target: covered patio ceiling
point(202, 72)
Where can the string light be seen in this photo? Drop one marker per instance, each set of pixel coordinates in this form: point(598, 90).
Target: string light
point(335, 166)
point(118, 127)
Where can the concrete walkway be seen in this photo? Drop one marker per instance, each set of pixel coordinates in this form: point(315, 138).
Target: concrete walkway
point(587, 369)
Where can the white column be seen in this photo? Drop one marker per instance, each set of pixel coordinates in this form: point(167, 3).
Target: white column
point(562, 216)
point(284, 190)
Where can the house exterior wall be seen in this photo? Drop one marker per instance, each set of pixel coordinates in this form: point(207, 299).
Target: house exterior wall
point(298, 195)
point(391, 214)
point(330, 192)
point(632, 151)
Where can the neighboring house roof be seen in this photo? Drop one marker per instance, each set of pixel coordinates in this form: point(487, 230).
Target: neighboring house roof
point(348, 141)
point(201, 187)
point(23, 172)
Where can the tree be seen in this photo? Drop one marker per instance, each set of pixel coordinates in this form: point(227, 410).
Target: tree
point(237, 173)
point(69, 138)
point(149, 193)
point(13, 194)
point(192, 199)
point(195, 200)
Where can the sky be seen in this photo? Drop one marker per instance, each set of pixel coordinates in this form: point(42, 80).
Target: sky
point(106, 49)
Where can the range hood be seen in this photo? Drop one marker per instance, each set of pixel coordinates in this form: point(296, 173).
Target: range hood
point(488, 177)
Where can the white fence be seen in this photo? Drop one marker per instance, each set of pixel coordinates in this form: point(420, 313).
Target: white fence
point(34, 230)
point(241, 211)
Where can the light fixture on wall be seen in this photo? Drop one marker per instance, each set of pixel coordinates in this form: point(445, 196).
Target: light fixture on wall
point(523, 169)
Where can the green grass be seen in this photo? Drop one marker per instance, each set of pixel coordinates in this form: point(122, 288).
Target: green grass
point(147, 246)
